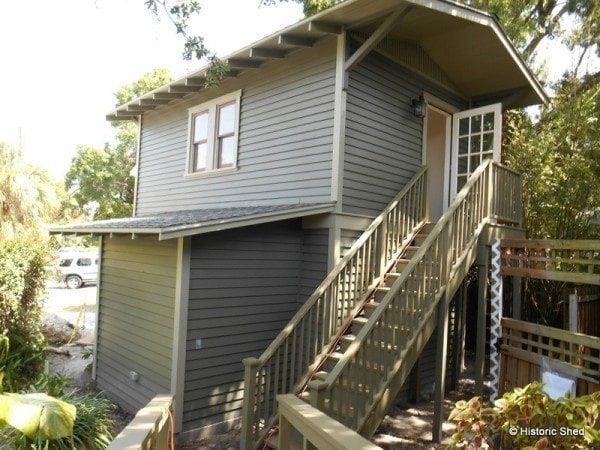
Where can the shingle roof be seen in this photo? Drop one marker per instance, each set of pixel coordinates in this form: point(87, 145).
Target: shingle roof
point(188, 222)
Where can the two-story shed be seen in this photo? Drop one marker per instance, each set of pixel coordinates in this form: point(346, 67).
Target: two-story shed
point(249, 193)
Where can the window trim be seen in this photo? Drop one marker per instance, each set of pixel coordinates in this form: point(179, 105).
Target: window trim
point(212, 150)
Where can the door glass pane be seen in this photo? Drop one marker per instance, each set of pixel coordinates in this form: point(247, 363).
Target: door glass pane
point(201, 126)
point(460, 182)
point(200, 157)
point(226, 151)
point(226, 118)
point(476, 124)
point(488, 121)
point(488, 142)
point(475, 144)
point(474, 163)
point(463, 126)
point(462, 164)
point(463, 145)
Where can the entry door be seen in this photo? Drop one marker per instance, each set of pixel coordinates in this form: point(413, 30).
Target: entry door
point(476, 136)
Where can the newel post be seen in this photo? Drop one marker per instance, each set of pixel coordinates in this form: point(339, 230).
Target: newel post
point(381, 249)
point(317, 393)
point(249, 402)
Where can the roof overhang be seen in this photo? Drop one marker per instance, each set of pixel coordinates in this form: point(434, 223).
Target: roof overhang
point(176, 224)
point(468, 45)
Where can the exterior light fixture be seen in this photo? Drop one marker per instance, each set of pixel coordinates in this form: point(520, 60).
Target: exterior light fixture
point(418, 107)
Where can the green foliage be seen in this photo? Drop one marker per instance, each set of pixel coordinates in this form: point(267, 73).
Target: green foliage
point(22, 277)
point(527, 408)
point(27, 195)
point(102, 178)
point(559, 157)
point(37, 416)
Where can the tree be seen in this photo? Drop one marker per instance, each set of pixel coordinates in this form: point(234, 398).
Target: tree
point(101, 179)
point(27, 195)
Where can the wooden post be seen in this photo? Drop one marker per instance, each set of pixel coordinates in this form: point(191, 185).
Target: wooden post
point(573, 322)
point(440, 367)
point(246, 436)
point(482, 274)
point(458, 345)
point(317, 389)
point(381, 247)
point(285, 433)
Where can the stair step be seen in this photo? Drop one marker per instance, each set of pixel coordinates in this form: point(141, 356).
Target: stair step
point(390, 278)
point(320, 375)
point(420, 238)
point(331, 361)
point(410, 251)
point(369, 308)
point(345, 341)
point(401, 264)
point(428, 227)
point(357, 324)
point(380, 293)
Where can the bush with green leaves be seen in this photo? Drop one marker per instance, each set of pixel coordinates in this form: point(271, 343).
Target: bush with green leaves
point(517, 418)
point(22, 278)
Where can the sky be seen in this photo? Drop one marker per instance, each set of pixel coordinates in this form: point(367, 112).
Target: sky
point(62, 60)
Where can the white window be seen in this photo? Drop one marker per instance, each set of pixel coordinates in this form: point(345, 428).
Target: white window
point(214, 134)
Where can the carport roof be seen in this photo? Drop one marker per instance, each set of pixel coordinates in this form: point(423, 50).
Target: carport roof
point(170, 225)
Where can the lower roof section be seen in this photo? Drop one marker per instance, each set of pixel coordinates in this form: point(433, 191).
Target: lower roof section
point(189, 222)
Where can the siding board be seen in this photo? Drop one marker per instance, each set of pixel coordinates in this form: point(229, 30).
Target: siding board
point(135, 321)
point(383, 138)
point(285, 141)
point(245, 285)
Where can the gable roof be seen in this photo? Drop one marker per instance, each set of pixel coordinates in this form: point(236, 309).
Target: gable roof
point(469, 45)
point(189, 222)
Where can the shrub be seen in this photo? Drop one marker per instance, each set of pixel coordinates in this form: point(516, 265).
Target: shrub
point(528, 409)
point(22, 278)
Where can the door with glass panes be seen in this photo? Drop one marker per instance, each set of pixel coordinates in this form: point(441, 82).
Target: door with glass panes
point(476, 136)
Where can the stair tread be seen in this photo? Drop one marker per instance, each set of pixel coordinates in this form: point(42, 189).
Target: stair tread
point(348, 338)
point(321, 374)
point(361, 320)
point(372, 305)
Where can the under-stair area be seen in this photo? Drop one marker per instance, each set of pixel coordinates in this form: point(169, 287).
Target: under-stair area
point(350, 347)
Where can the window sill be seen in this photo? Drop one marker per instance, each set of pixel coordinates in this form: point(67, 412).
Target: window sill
point(210, 173)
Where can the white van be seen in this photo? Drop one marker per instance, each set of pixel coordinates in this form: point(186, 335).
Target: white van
point(78, 268)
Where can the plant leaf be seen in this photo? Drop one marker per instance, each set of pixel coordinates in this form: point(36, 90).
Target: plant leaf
point(38, 415)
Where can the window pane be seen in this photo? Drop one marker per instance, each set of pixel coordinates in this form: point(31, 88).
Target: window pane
point(200, 157)
point(201, 126)
point(488, 142)
point(65, 263)
point(226, 118)
point(460, 182)
point(463, 145)
point(463, 126)
point(226, 151)
point(476, 144)
point(84, 262)
point(474, 163)
point(476, 124)
point(488, 122)
point(462, 164)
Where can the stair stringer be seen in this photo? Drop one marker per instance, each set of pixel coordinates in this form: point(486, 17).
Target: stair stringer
point(413, 350)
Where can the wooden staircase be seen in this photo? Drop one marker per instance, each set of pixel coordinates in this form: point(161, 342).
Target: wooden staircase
point(351, 346)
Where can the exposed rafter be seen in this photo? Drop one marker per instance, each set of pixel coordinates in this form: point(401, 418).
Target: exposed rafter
point(271, 53)
point(139, 108)
point(297, 41)
point(183, 89)
point(167, 95)
point(153, 101)
point(325, 27)
point(195, 81)
point(376, 37)
point(239, 63)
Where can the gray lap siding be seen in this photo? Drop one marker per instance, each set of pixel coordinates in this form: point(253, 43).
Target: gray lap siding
point(135, 319)
point(245, 285)
point(285, 140)
point(383, 138)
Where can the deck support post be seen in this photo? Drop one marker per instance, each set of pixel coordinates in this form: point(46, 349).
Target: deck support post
point(247, 433)
point(440, 366)
point(458, 346)
point(483, 256)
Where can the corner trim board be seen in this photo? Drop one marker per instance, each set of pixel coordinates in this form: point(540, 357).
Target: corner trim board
point(98, 286)
point(180, 316)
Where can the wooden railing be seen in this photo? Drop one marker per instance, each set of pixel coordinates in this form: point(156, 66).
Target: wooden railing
point(359, 382)
point(576, 261)
point(315, 427)
point(525, 344)
point(286, 364)
point(150, 428)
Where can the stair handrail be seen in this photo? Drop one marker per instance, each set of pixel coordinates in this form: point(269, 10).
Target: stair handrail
point(384, 251)
point(483, 172)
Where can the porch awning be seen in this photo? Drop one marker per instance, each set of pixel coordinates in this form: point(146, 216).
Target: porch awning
point(189, 222)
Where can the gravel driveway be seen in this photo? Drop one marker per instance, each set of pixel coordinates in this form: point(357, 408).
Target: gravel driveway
point(77, 306)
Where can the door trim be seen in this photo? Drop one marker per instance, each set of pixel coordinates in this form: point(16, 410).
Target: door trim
point(447, 110)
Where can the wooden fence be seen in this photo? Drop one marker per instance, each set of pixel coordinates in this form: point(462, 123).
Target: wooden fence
point(150, 428)
point(525, 344)
point(575, 261)
point(582, 310)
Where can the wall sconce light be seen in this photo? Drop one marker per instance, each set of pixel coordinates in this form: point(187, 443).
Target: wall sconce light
point(418, 107)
